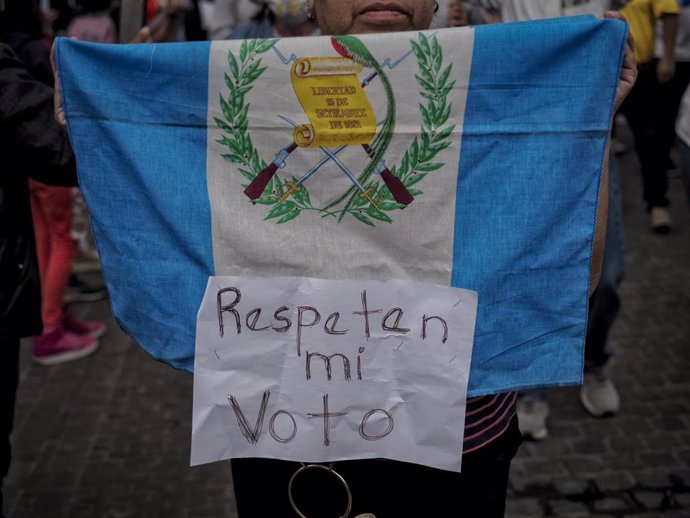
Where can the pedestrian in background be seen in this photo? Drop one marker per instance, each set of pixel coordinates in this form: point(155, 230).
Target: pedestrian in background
point(277, 19)
point(672, 91)
point(31, 144)
point(94, 23)
point(522, 10)
point(484, 11)
point(644, 106)
point(63, 13)
point(167, 19)
point(683, 130)
point(230, 14)
point(64, 337)
point(458, 14)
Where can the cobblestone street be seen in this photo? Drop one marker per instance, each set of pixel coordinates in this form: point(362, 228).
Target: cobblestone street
point(637, 463)
point(109, 436)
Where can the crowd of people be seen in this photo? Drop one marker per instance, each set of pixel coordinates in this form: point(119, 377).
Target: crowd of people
point(39, 201)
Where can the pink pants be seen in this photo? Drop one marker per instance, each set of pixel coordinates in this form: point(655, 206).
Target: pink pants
point(52, 212)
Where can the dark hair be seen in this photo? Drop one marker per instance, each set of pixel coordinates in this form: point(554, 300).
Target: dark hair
point(94, 6)
point(21, 16)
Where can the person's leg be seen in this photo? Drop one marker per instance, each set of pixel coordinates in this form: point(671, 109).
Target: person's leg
point(388, 489)
point(41, 231)
point(63, 339)
point(641, 110)
point(598, 394)
point(669, 104)
point(479, 490)
point(9, 377)
point(261, 487)
point(533, 412)
point(56, 204)
point(652, 148)
point(486, 476)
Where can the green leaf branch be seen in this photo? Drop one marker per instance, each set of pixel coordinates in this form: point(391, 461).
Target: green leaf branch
point(436, 135)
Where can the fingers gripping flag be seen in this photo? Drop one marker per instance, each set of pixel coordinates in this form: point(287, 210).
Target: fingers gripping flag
point(469, 158)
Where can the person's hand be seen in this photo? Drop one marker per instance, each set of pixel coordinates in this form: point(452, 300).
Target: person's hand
point(629, 69)
point(458, 16)
point(57, 96)
point(47, 18)
point(174, 6)
point(143, 36)
point(665, 70)
point(492, 15)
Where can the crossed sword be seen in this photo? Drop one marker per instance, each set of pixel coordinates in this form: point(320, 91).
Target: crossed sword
point(330, 156)
point(257, 186)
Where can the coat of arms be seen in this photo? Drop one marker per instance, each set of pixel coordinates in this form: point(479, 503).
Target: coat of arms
point(332, 92)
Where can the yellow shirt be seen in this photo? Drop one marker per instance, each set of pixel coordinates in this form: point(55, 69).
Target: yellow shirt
point(642, 16)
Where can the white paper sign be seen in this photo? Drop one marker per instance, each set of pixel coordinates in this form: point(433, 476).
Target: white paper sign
point(318, 370)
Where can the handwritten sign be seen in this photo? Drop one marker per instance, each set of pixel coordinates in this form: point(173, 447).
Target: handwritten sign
point(318, 370)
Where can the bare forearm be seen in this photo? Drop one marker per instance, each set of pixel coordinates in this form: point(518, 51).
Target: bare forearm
point(666, 67)
point(670, 28)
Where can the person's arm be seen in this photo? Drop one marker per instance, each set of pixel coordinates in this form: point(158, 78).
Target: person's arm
point(600, 228)
point(143, 35)
point(491, 9)
point(26, 115)
point(666, 68)
point(160, 25)
point(112, 36)
point(627, 79)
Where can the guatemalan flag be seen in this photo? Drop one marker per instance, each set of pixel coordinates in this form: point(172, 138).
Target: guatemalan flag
point(464, 157)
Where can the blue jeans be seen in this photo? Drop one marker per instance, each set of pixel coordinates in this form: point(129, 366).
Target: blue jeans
point(604, 302)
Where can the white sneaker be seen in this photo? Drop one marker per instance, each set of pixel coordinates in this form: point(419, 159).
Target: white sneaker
point(599, 396)
point(660, 220)
point(532, 415)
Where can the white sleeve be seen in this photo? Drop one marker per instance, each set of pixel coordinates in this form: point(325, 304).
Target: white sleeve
point(228, 14)
point(683, 120)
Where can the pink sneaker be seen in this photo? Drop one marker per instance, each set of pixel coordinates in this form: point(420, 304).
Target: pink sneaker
point(94, 328)
point(57, 345)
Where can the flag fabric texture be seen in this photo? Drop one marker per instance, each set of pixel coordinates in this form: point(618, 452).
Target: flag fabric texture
point(464, 157)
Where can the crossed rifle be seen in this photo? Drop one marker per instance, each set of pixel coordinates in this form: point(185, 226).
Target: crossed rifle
point(257, 186)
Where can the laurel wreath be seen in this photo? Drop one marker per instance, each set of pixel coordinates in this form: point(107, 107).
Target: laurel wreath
point(417, 162)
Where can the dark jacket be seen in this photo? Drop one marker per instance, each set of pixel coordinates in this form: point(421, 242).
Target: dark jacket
point(31, 145)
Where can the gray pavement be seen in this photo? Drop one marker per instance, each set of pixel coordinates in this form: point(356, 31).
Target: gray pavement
point(109, 436)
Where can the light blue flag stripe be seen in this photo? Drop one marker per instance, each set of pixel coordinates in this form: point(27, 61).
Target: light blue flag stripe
point(535, 121)
point(149, 205)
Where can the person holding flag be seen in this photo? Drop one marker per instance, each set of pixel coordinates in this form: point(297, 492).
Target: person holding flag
point(647, 103)
point(492, 436)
